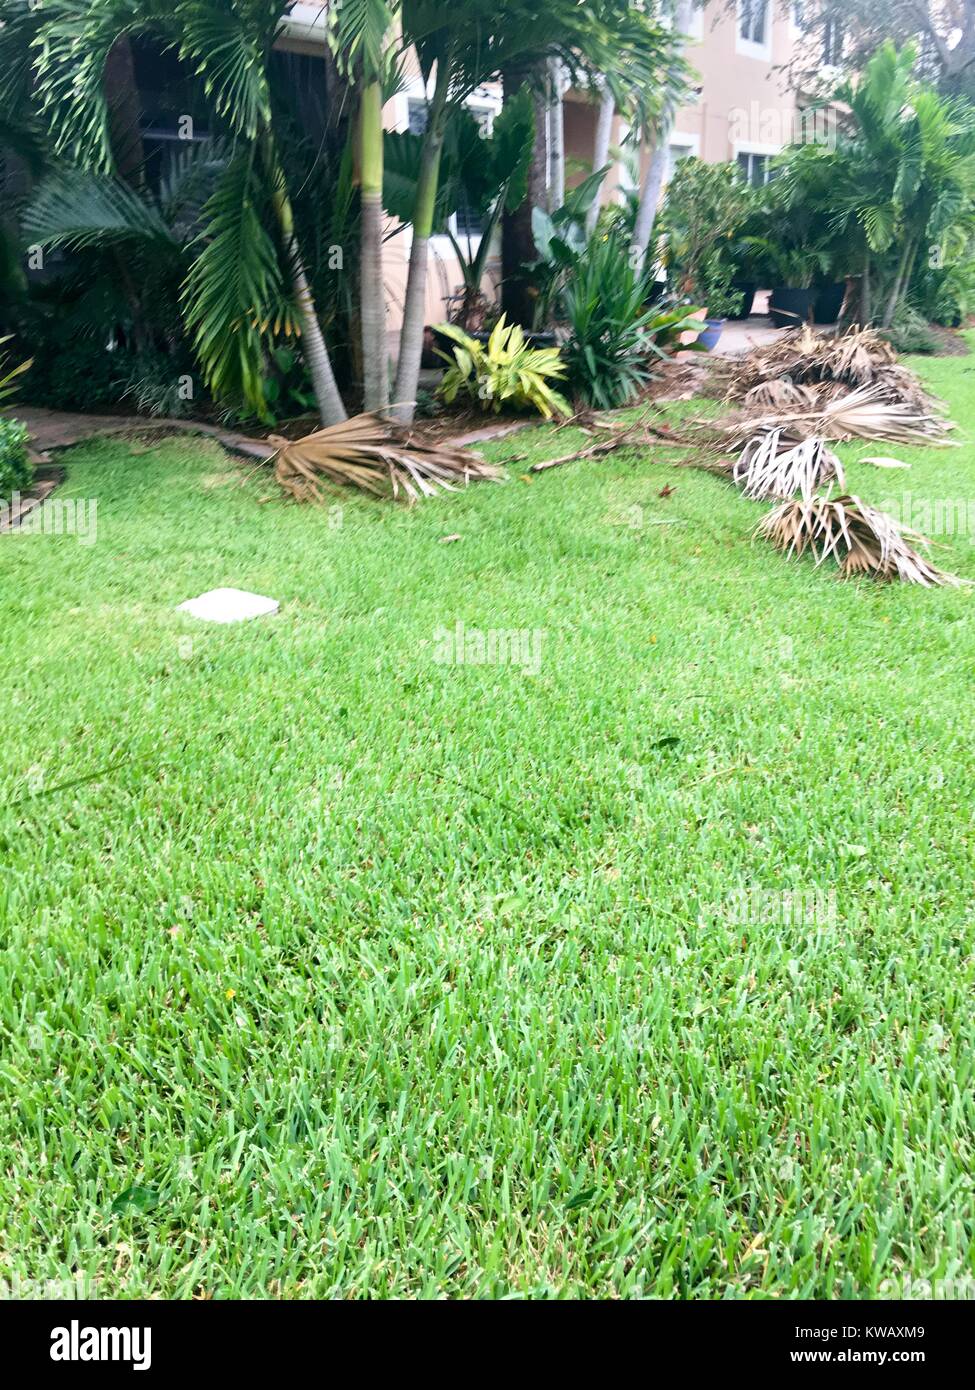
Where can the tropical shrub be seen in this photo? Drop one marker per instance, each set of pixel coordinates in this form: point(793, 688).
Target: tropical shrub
point(561, 240)
point(78, 374)
point(910, 332)
point(614, 336)
point(897, 185)
point(668, 326)
point(715, 288)
point(706, 204)
point(503, 372)
point(945, 292)
point(15, 469)
point(8, 375)
point(155, 382)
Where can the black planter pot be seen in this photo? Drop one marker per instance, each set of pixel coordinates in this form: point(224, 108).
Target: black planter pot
point(789, 307)
point(747, 290)
point(828, 303)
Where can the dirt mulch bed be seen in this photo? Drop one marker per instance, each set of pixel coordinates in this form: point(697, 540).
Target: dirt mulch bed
point(950, 342)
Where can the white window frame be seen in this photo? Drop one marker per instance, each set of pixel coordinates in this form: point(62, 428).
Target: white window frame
point(690, 144)
point(754, 147)
point(762, 52)
point(834, 36)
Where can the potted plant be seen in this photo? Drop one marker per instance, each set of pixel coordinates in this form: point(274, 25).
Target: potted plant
point(724, 301)
point(791, 270)
point(748, 265)
point(828, 298)
point(803, 245)
point(792, 296)
point(706, 204)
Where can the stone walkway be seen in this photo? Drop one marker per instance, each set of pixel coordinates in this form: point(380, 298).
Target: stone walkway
point(740, 337)
point(57, 429)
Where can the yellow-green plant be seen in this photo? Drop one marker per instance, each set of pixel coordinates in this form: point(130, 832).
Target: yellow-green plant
point(9, 374)
point(505, 371)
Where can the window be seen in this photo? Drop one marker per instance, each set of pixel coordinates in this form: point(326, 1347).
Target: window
point(417, 116)
point(832, 43)
point(755, 168)
point(675, 153)
point(753, 22)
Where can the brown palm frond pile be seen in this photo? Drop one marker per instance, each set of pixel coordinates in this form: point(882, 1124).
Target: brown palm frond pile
point(863, 413)
point(860, 538)
point(771, 465)
point(802, 361)
point(780, 394)
point(377, 456)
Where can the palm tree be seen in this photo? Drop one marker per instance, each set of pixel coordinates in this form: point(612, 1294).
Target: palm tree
point(481, 174)
point(908, 171)
point(360, 37)
point(656, 117)
point(232, 293)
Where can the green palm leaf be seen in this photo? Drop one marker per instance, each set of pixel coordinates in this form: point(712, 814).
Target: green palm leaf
point(76, 209)
point(234, 288)
point(227, 42)
point(71, 49)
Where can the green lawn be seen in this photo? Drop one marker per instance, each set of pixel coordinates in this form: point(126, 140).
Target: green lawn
point(347, 972)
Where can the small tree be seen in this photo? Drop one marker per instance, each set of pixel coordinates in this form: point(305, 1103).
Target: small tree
point(361, 36)
point(907, 172)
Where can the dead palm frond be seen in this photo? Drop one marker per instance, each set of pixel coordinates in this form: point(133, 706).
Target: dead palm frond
point(863, 413)
point(860, 538)
point(780, 394)
point(382, 458)
point(823, 367)
point(772, 466)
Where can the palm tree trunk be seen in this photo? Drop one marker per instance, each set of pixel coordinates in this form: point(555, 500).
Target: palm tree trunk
point(654, 180)
point(124, 113)
point(866, 306)
point(600, 150)
point(415, 307)
point(650, 190)
point(901, 281)
point(517, 239)
point(128, 155)
point(375, 357)
point(556, 130)
point(330, 407)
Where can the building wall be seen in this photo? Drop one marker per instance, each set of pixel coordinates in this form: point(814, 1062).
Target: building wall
point(744, 103)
